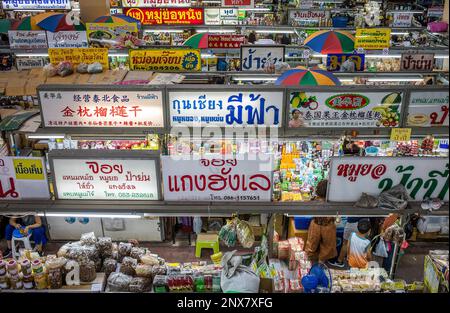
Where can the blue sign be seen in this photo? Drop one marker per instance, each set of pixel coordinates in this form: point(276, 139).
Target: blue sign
point(335, 61)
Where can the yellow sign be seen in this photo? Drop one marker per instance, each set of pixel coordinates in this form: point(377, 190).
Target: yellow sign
point(79, 55)
point(165, 60)
point(373, 39)
point(400, 134)
point(31, 169)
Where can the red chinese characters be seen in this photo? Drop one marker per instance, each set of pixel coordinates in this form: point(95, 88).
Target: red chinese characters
point(352, 171)
point(225, 41)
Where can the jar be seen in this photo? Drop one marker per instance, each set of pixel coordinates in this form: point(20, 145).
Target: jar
point(37, 267)
point(28, 282)
point(2, 267)
point(26, 267)
point(55, 278)
point(15, 282)
point(40, 280)
point(4, 282)
point(12, 267)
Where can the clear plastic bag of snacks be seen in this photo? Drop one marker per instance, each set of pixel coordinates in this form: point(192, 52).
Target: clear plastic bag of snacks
point(137, 253)
point(105, 246)
point(87, 271)
point(160, 283)
point(159, 270)
point(109, 266)
point(55, 278)
point(128, 265)
point(178, 283)
point(124, 249)
point(144, 270)
point(150, 259)
point(118, 282)
point(228, 233)
point(245, 234)
point(88, 239)
point(140, 284)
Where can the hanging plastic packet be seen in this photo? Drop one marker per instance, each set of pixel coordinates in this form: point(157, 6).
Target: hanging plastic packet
point(245, 234)
point(228, 233)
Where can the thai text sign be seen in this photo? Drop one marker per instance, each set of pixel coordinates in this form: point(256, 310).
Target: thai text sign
point(36, 4)
point(335, 60)
point(102, 108)
point(403, 19)
point(155, 3)
point(23, 178)
point(346, 109)
point(165, 60)
point(417, 62)
point(24, 39)
point(25, 63)
point(428, 108)
point(225, 108)
point(113, 35)
point(67, 39)
point(225, 41)
point(400, 134)
point(166, 16)
point(106, 179)
point(422, 177)
point(307, 17)
point(239, 3)
point(256, 58)
point(79, 55)
point(217, 179)
point(373, 39)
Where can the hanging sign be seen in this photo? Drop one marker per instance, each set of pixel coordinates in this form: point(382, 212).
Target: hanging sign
point(26, 63)
point(346, 109)
point(155, 3)
point(166, 16)
point(79, 55)
point(428, 108)
point(373, 39)
point(67, 39)
point(335, 60)
point(422, 177)
point(225, 41)
point(400, 134)
point(247, 4)
point(417, 62)
point(225, 108)
point(23, 178)
point(221, 16)
point(403, 19)
point(256, 58)
point(106, 178)
point(36, 4)
point(165, 60)
point(217, 179)
point(6, 61)
point(113, 35)
point(24, 39)
point(101, 108)
point(309, 18)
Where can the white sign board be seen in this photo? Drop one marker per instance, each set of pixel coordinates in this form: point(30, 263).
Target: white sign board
point(225, 108)
point(422, 177)
point(106, 179)
point(23, 39)
point(102, 108)
point(23, 178)
point(26, 63)
point(217, 179)
point(307, 17)
point(403, 19)
point(155, 3)
point(256, 58)
point(36, 4)
point(221, 16)
point(428, 108)
point(67, 39)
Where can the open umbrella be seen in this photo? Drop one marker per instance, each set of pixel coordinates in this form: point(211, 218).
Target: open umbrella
point(197, 41)
point(329, 41)
point(27, 23)
point(117, 18)
point(55, 22)
point(5, 25)
point(300, 77)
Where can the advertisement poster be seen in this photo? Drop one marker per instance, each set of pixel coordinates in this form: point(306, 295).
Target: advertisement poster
point(113, 35)
point(221, 16)
point(403, 19)
point(346, 109)
point(67, 39)
point(417, 62)
point(36, 4)
point(225, 41)
point(165, 60)
point(23, 178)
point(349, 177)
point(26, 63)
point(155, 3)
point(217, 179)
point(255, 58)
point(106, 179)
point(335, 60)
point(24, 39)
point(307, 17)
point(124, 109)
point(166, 16)
point(373, 39)
point(79, 55)
point(6, 61)
point(242, 4)
point(226, 108)
point(428, 108)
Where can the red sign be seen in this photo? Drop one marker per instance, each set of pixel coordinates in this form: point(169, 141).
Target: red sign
point(238, 3)
point(166, 16)
point(347, 102)
point(225, 41)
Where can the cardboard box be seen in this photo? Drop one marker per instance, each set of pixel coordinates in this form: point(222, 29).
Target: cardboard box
point(266, 285)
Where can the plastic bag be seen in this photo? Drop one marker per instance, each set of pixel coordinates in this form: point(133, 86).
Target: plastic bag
point(88, 239)
point(109, 266)
point(128, 265)
point(50, 70)
point(82, 68)
point(160, 283)
point(77, 252)
point(236, 277)
point(118, 282)
point(64, 69)
point(137, 253)
point(87, 271)
point(149, 259)
point(228, 233)
point(144, 270)
point(105, 246)
point(95, 68)
point(380, 249)
point(395, 198)
point(124, 249)
point(367, 201)
point(140, 284)
point(245, 234)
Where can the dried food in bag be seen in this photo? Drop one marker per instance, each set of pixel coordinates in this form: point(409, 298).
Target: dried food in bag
point(124, 249)
point(55, 263)
point(87, 271)
point(82, 68)
point(159, 270)
point(95, 68)
point(104, 246)
point(160, 284)
point(64, 69)
point(140, 284)
point(228, 233)
point(109, 266)
point(50, 70)
point(144, 270)
point(245, 234)
point(137, 253)
point(128, 265)
point(88, 239)
point(55, 278)
point(150, 259)
point(118, 282)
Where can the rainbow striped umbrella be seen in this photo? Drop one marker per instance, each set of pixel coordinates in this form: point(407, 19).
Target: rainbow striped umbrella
point(27, 23)
point(197, 41)
point(300, 77)
point(117, 18)
point(331, 41)
point(55, 22)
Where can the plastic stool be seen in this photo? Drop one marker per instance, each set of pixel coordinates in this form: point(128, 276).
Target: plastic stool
point(206, 241)
point(24, 239)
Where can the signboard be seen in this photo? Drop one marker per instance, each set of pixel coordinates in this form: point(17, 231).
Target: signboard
point(247, 4)
point(225, 41)
point(67, 39)
point(417, 62)
point(6, 61)
point(166, 16)
point(36, 4)
point(23, 178)
point(255, 58)
point(113, 35)
point(403, 19)
point(106, 178)
point(422, 177)
point(79, 55)
point(24, 39)
point(335, 60)
point(373, 38)
point(221, 16)
point(400, 134)
point(344, 109)
point(225, 108)
point(165, 60)
point(101, 108)
point(155, 3)
point(307, 17)
point(428, 108)
point(26, 63)
point(217, 179)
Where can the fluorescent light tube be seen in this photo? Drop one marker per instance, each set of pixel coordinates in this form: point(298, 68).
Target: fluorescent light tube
point(99, 215)
point(163, 30)
point(45, 136)
point(255, 78)
point(273, 31)
point(395, 79)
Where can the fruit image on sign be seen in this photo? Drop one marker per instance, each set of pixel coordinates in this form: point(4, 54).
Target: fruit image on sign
point(347, 102)
point(389, 110)
point(301, 100)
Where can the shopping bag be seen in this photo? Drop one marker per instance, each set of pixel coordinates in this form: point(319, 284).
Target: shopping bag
point(380, 249)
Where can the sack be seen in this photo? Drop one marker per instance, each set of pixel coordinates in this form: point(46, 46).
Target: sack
point(395, 198)
point(236, 277)
point(367, 201)
point(380, 249)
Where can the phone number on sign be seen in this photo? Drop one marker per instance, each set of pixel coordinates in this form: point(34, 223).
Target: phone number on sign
point(234, 198)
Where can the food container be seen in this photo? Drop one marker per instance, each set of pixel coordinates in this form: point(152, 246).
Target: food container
point(26, 267)
point(40, 280)
point(2, 267)
point(55, 278)
point(28, 282)
point(12, 267)
point(37, 267)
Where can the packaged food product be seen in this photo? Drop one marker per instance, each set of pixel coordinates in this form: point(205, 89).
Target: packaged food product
point(180, 283)
point(25, 267)
point(28, 282)
point(228, 233)
point(137, 253)
point(15, 282)
point(95, 68)
point(128, 266)
point(12, 267)
point(64, 69)
point(140, 284)
point(4, 282)
point(2, 267)
point(105, 246)
point(55, 278)
point(87, 271)
point(118, 282)
point(109, 266)
point(160, 283)
point(37, 267)
point(283, 250)
point(88, 239)
point(144, 270)
point(50, 70)
point(245, 234)
point(78, 252)
point(40, 280)
point(159, 270)
point(82, 68)
point(150, 259)
point(124, 249)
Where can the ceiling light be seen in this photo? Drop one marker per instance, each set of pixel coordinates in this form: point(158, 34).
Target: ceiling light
point(395, 79)
point(163, 30)
point(45, 136)
point(274, 31)
point(99, 215)
point(254, 78)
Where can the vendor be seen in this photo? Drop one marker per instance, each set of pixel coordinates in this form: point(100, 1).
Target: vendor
point(29, 222)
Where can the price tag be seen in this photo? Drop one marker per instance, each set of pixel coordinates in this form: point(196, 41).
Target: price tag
point(400, 134)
